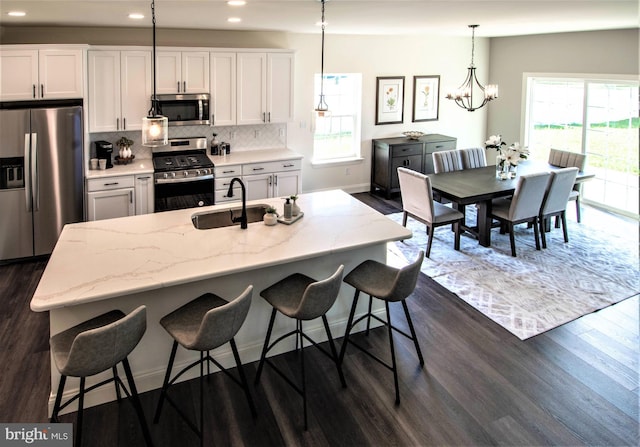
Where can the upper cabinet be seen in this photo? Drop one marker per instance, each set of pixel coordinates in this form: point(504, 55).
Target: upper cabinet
point(264, 88)
point(223, 89)
point(182, 72)
point(28, 74)
point(120, 89)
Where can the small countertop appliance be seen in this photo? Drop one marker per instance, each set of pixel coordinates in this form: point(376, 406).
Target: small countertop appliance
point(104, 149)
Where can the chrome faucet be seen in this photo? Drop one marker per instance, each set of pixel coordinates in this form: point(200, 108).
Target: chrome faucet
point(243, 217)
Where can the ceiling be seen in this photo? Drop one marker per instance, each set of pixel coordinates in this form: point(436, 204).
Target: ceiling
point(431, 17)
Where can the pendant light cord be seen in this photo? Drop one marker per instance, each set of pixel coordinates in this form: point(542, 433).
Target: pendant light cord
point(322, 56)
point(152, 112)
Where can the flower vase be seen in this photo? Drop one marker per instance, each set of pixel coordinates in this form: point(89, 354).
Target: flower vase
point(270, 219)
point(513, 169)
point(502, 168)
point(295, 209)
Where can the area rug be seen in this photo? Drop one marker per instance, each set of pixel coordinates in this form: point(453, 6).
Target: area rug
point(537, 290)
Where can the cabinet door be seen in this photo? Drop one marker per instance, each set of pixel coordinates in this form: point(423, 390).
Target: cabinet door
point(104, 91)
point(279, 87)
point(18, 74)
point(61, 74)
point(168, 72)
point(287, 183)
point(195, 72)
point(144, 194)
point(411, 162)
point(258, 186)
point(252, 88)
point(136, 88)
point(110, 204)
point(223, 89)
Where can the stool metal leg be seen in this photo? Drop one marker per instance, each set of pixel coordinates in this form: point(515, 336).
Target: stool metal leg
point(165, 384)
point(136, 402)
point(56, 406)
point(343, 349)
point(202, 358)
point(266, 346)
point(243, 378)
point(369, 314)
point(78, 441)
point(393, 353)
point(304, 382)
point(334, 353)
point(116, 381)
point(413, 332)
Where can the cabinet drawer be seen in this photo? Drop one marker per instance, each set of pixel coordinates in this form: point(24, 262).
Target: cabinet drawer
point(271, 166)
point(402, 150)
point(440, 146)
point(227, 171)
point(221, 195)
point(107, 183)
point(222, 183)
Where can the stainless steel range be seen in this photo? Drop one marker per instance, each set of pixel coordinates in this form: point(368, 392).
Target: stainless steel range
point(183, 175)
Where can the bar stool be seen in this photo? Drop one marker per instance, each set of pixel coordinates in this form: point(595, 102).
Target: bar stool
point(95, 346)
point(302, 298)
point(203, 324)
point(388, 284)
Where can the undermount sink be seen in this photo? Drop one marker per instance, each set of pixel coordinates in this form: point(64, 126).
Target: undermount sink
point(223, 218)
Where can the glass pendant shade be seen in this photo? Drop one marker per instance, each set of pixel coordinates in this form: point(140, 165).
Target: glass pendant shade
point(155, 131)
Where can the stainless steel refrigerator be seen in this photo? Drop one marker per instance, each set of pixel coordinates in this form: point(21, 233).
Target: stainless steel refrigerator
point(41, 175)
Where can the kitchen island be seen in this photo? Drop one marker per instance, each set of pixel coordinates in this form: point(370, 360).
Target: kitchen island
point(162, 261)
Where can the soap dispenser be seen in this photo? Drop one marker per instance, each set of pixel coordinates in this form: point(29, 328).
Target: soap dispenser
point(287, 208)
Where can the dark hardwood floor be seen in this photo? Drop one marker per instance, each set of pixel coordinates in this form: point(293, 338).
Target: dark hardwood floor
point(574, 385)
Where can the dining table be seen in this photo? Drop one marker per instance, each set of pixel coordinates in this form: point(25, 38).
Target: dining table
point(480, 186)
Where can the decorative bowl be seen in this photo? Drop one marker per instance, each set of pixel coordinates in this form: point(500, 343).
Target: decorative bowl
point(413, 134)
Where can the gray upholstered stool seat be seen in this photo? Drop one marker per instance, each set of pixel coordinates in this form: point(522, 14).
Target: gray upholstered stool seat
point(303, 298)
point(389, 284)
point(92, 347)
point(204, 324)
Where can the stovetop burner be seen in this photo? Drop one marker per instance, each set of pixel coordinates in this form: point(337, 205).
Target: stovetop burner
point(163, 162)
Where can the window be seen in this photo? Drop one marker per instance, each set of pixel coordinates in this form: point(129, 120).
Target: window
point(596, 117)
point(337, 136)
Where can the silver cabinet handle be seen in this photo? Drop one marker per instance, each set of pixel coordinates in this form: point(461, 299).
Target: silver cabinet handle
point(288, 166)
point(263, 117)
point(130, 196)
point(269, 116)
point(178, 86)
point(144, 178)
point(258, 169)
point(42, 90)
point(184, 86)
point(111, 184)
point(34, 91)
point(275, 179)
point(117, 123)
point(124, 124)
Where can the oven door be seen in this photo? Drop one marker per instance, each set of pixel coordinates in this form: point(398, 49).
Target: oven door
point(181, 195)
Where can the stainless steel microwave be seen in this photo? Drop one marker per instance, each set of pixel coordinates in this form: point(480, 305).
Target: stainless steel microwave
point(185, 109)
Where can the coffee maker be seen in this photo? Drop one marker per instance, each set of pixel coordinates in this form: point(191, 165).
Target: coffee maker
point(104, 149)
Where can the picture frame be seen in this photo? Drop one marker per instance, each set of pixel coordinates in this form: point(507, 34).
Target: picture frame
point(426, 98)
point(389, 99)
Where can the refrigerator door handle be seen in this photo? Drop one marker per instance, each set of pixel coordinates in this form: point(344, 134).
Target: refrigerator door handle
point(27, 177)
point(34, 171)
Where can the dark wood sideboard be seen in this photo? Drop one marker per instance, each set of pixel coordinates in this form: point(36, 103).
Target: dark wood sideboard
point(390, 153)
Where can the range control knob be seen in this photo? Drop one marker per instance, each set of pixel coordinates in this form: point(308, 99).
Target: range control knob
point(165, 175)
point(173, 174)
point(197, 172)
point(185, 173)
point(205, 171)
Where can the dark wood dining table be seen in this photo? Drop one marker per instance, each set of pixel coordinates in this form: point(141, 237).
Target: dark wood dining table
point(480, 186)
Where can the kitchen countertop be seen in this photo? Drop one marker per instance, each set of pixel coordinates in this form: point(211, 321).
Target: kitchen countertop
point(98, 260)
point(138, 166)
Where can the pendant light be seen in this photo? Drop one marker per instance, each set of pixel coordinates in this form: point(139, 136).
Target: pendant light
point(155, 128)
point(322, 109)
point(463, 96)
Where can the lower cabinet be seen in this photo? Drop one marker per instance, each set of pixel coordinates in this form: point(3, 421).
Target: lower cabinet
point(110, 203)
point(272, 179)
point(121, 196)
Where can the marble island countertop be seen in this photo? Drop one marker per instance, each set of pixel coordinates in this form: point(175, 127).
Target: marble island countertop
point(99, 260)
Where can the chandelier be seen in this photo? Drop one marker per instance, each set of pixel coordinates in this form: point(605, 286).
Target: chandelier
point(463, 95)
point(322, 109)
point(155, 128)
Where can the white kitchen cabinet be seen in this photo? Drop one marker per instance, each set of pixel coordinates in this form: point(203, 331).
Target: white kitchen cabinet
point(145, 196)
point(120, 89)
point(223, 89)
point(264, 88)
point(110, 197)
point(28, 74)
point(272, 179)
point(182, 72)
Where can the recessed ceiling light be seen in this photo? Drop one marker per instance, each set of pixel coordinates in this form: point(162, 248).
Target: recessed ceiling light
point(136, 16)
point(234, 19)
point(17, 13)
point(236, 3)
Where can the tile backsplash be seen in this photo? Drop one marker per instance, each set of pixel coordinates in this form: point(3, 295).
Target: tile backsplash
point(241, 138)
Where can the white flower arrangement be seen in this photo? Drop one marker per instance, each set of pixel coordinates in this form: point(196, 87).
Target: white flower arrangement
point(513, 154)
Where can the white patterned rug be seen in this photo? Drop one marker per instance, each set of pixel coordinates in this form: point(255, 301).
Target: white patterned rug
point(537, 290)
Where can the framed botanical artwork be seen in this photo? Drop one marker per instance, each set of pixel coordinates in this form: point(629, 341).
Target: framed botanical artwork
point(426, 98)
point(389, 100)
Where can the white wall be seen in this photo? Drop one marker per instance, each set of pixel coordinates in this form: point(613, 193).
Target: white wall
point(383, 56)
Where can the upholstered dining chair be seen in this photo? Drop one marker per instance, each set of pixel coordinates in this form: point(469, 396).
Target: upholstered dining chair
point(417, 202)
point(567, 159)
point(555, 200)
point(524, 206)
point(447, 161)
point(474, 157)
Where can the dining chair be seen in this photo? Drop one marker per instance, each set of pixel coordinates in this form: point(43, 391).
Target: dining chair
point(523, 206)
point(447, 161)
point(567, 159)
point(555, 200)
point(474, 157)
point(417, 202)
